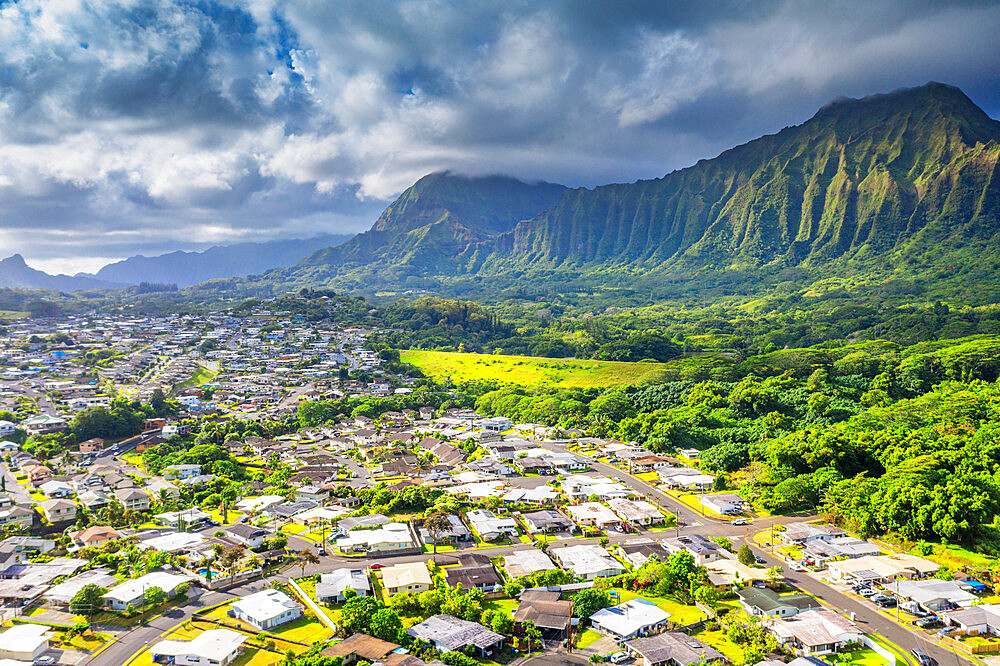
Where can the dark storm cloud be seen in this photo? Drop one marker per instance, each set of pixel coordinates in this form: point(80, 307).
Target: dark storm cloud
point(140, 126)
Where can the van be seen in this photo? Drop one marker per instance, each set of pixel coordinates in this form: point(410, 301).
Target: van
point(618, 658)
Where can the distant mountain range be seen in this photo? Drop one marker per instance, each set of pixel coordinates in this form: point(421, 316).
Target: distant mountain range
point(180, 268)
point(14, 273)
point(222, 261)
point(902, 186)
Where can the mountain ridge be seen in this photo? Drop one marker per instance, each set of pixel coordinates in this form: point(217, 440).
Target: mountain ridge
point(901, 184)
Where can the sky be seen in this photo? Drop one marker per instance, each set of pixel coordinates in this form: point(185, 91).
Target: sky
point(145, 127)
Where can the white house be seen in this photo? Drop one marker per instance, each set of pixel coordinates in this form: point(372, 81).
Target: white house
point(386, 539)
point(215, 647)
point(7, 428)
point(815, 632)
point(490, 527)
point(332, 586)
point(634, 618)
point(133, 592)
point(593, 514)
point(410, 577)
point(248, 535)
point(588, 561)
point(24, 642)
point(266, 609)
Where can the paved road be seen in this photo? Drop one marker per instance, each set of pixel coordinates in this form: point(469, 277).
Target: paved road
point(16, 491)
point(142, 636)
point(865, 614)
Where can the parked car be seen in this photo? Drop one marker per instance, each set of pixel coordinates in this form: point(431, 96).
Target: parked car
point(795, 566)
point(761, 560)
point(923, 659)
point(927, 622)
point(375, 566)
point(944, 631)
point(867, 592)
point(884, 601)
point(618, 658)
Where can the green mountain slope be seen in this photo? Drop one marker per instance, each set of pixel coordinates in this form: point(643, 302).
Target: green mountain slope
point(897, 186)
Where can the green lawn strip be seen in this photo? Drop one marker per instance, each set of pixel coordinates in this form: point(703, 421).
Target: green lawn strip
point(680, 614)
point(891, 647)
point(720, 641)
point(587, 638)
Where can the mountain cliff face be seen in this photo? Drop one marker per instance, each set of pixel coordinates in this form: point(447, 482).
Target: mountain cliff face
point(187, 268)
point(897, 186)
point(861, 178)
point(436, 227)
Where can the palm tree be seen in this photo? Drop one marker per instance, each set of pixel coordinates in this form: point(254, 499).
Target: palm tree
point(307, 557)
point(436, 524)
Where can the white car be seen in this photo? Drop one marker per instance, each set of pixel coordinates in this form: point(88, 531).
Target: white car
point(795, 566)
point(739, 521)
point(618, 657)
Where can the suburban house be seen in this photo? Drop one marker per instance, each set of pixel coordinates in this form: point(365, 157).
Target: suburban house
point(802, 533)
point(248, 535)
point(17, 515)
point(526, 562)
point(265, 609)
point(632, 619)
point(410, 577)
point(982, 619)
point(58, 510)
point(54, 489)
point(593, 514)
point(672, 649)
point(332, 586)
point(637, 553)
point(475, 572)
point(448, 633)
point(815, 632)
point(133, 499)
point(490, 527)
point(589, 561)
point(93, 500)
point(547, 521)
point(546, 612)
point(94, 535)
point(216, 647)
point(704, 551)
point(821, 551)
point(636, 512)
point(24, 643)
point(881, 568)
point(765, 602)
point(132, 592)
point(386, 539)
point(723, 504)
point(458, 532)
point(181, 471)
point(934, 595)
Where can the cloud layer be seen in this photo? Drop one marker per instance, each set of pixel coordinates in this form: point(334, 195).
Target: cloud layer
point(132, 126)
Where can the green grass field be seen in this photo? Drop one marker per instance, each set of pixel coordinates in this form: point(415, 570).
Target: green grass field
point(532, 370)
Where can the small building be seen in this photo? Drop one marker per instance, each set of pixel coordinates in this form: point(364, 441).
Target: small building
point(410, 577)
point(547, 521)
point(765, 602)
point(815, 632)
point(25, 642)
point(934, 595)
point(449, 633)
point(248, 535)
point(216, 647)
point(133, 499)
point(550, 615)
point(802, 533)
point(632, 619)
point(637, 553)
point(331, 586)
point(457, 533)
point(636, 512)
point(132, 592)
point(490, 527)
point(386, 539)
point(58, 510)
point(588, 561)
point(593, 514)
point(704, 550)
point(95, 535)
point(475, 572)
point(526, 562)
point(672, 649)
point(725, 504)
point(266, 609)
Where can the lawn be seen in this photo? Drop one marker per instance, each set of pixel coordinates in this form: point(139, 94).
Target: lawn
point(679, 613)
point(587, 638)
point(202, 376)
point(506, 606)
point(858, 658)
point(721, 642)
point(694, 502)
point(532, 370)
point(87, 642)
